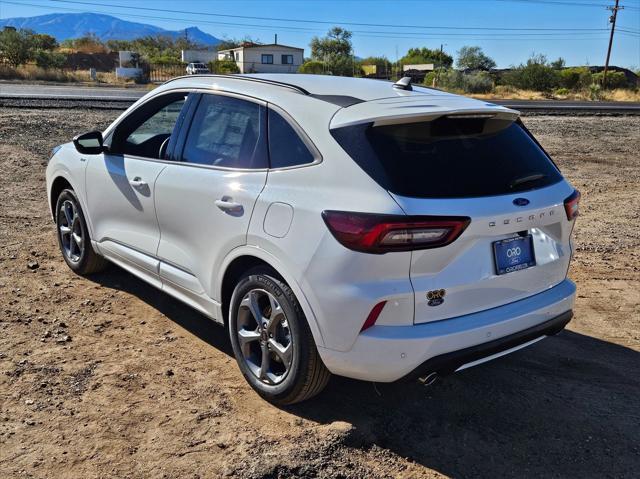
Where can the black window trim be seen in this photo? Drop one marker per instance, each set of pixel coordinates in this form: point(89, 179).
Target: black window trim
point(315, 152)
point(266, 55)
point(282, 57)
point(186, 124)
point(108, 133)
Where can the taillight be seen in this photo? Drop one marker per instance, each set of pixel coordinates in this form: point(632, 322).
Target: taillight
point(373, 233)
point(571, 205)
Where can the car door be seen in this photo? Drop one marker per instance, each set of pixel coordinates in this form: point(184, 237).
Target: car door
point(204, 203)
point(120, 183)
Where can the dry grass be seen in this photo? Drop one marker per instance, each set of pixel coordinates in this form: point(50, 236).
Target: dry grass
point(35, 73)
point(510, 93)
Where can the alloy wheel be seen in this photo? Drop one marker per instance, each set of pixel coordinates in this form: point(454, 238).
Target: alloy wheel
point(264, 336)
point(70, 230)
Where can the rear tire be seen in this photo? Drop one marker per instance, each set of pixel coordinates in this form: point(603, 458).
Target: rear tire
point(277, 356)
point(73, 236)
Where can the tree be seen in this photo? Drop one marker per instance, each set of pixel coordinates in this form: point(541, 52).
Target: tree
point(473, 58)
point(335, 50)
point(15, 46)
point(416, 56)
point(558, 64)
point(42, 41)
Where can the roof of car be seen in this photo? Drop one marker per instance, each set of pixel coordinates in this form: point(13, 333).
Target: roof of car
point(363, 98)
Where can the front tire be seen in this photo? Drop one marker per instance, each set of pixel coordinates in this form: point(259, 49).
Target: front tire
point(272, 342)
point(73, 236)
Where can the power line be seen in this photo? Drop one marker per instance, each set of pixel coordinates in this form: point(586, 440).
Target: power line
point(366, 33)
point(325, 22)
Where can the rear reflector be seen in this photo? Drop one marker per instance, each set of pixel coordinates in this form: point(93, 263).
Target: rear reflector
point(373, 315)
point(571, 205)
point(379, 234)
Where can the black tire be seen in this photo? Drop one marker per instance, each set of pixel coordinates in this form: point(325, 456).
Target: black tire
point(307, 374)
point(85, 260)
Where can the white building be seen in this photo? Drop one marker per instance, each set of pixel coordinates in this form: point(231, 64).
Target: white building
point(272, 58)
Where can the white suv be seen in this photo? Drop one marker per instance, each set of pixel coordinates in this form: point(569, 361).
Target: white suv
point(363, 228)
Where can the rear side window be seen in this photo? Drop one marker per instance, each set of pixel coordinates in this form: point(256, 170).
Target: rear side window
point(286, 148)
point(449, 158)
point(227, 132)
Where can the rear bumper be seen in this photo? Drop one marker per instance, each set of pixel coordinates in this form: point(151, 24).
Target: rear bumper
point(389, 353)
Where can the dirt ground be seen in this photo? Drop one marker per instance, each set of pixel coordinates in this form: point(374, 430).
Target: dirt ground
point(107, 377)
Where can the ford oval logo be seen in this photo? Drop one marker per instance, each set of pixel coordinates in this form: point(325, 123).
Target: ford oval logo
point(521, 202)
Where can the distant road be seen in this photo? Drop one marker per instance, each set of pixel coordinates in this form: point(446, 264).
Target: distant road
point(121, 97)
point(71, 92)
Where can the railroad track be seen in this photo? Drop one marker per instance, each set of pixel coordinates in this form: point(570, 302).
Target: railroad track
point(116, 102)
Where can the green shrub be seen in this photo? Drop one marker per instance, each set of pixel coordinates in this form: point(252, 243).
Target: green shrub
point(480, 82)
point(614, 79)
point(45, 59)
point(595, 92)
point(312, 67)
point(575, 78)
point(561, 91)
point(537, 74)
point(224, 67)
point(428, 79)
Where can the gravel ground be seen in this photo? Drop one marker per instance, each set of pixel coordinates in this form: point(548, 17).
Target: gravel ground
point(107, 377)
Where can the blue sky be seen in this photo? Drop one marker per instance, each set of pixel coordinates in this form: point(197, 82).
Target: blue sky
point(399, 24)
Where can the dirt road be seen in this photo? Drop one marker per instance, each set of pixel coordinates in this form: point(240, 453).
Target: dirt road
point(107, 377)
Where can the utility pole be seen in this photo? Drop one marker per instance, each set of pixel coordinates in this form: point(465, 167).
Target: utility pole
point(612, 19)
point(437, 66)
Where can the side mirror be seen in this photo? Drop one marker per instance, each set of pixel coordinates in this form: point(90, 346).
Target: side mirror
point(89, 143)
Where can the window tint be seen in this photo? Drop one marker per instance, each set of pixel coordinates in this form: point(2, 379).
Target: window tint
point(147, 130)
point(227, 132)
point(286, 148)
point(449, 158)
point(267, 58)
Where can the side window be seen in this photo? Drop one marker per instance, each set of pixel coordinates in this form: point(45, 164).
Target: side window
point(287, 59)
point(227, 132)
point(267, 58)
point(286, 148)
point(147, 131)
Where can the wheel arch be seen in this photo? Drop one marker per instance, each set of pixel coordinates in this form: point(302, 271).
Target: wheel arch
point(59, 184)
point(61, 181)
point(247, 257)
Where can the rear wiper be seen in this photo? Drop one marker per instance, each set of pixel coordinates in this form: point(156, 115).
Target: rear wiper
point(526, 179)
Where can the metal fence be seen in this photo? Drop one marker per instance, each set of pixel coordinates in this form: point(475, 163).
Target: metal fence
point(161, 72)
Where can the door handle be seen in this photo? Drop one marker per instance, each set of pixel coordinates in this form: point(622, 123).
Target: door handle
point(137, 182)
point(227, 205)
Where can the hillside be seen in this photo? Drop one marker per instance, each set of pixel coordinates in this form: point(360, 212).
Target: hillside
point(106, 27)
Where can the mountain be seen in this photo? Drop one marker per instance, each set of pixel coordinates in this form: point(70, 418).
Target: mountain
point(73, 25)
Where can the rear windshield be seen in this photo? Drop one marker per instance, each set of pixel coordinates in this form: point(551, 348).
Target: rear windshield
point(448, 158)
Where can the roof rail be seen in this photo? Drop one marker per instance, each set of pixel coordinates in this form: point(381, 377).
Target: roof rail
point(245, 78)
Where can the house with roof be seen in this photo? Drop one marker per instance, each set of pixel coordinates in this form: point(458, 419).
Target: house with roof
point(270, 58)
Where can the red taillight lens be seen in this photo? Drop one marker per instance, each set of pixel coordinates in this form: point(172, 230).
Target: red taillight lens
point(372, 233)
point(571, 205)
point(373, 315)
